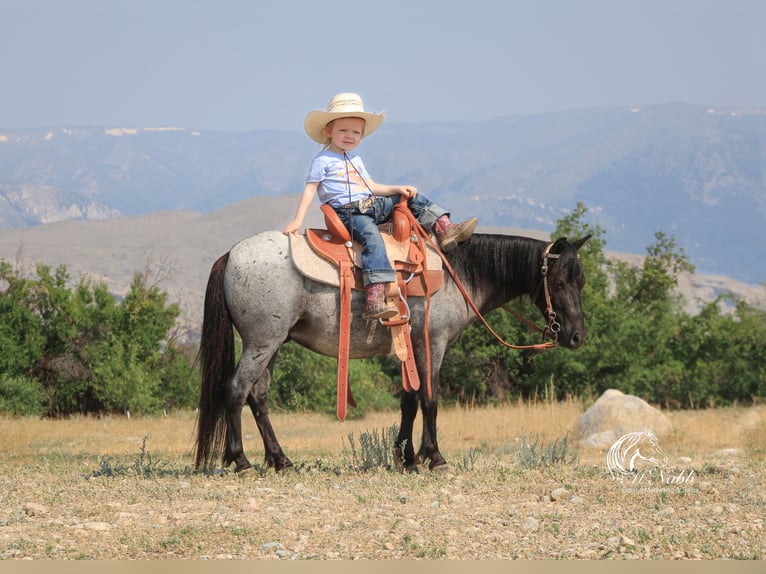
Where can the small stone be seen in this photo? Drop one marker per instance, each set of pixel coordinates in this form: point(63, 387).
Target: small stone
point(560, 494)
point(34, 509)
point(251, 505)
point(530, 524)
point(667, 512)
point(625, 541)
point(99, 526)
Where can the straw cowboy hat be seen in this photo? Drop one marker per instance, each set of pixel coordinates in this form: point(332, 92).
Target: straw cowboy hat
point(346, 105)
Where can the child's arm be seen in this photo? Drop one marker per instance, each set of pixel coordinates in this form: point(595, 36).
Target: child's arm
point(407, 191)
point(303, 205)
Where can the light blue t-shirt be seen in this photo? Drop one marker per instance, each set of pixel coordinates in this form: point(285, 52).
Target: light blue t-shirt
point(336, 175)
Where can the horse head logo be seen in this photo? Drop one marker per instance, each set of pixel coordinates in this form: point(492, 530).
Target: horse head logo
point(633, 452)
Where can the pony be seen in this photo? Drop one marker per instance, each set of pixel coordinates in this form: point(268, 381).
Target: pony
point(256, 289)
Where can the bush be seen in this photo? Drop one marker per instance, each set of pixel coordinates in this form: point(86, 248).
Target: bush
point(304, 380)
point(89, 352)
point(22, 396)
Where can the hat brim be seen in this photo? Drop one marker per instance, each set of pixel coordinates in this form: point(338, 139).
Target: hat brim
point(316, 121)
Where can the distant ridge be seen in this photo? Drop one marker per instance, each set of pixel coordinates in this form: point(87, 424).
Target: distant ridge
point(691, 171)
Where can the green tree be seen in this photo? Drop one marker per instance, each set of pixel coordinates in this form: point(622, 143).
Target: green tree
point(87, 351)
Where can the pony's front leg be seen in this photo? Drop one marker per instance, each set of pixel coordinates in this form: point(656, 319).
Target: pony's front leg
point(258, 400)
point(404, 451)
point(429, 446)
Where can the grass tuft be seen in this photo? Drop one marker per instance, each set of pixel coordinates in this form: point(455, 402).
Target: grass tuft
point(376, 450)
point(144, 466)
point(534, 453)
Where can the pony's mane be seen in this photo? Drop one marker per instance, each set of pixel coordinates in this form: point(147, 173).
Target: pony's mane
point(507, 263)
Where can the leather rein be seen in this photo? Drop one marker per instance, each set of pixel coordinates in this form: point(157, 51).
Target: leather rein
point(552, 327)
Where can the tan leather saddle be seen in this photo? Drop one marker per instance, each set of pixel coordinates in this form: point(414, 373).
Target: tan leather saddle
point(331, 257)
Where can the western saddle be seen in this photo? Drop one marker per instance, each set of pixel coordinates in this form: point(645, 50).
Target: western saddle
point(407, 246)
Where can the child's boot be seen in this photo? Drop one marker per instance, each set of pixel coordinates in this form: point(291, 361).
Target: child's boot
point(377, 307)
point(449, 234)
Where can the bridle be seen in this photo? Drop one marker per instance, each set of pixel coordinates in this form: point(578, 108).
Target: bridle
point(552, 327)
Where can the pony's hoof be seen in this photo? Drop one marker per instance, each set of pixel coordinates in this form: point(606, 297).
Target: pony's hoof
point(241, 467)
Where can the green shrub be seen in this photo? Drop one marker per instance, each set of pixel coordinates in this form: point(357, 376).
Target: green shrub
point(22, 396)
point(304, 380)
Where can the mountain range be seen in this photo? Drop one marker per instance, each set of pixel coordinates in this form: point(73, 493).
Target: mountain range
point(107, 201)
point(695, 173)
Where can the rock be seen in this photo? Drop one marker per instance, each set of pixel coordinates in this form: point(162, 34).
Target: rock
point(530, 524)
point(560, 494)
point(34, 509)
point(615, 414)
point(251, 505)
point(667, 512)
point(600, 439)
point(625, 541)
point(97, 525)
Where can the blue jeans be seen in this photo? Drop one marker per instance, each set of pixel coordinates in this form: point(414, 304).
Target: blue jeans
point(376, 268)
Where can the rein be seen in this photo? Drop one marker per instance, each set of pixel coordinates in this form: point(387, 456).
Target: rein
point(552, 328)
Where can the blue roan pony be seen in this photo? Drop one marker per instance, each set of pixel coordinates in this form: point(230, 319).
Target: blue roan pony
point(256, 289)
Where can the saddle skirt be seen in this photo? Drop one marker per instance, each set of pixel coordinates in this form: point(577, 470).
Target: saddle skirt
point(316, 255)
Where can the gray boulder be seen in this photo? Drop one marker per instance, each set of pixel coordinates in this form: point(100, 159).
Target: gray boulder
point(615, 414)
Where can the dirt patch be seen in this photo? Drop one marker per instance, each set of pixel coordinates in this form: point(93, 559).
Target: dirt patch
point(74, 501)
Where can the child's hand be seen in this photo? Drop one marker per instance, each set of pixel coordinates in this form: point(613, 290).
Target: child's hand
point(292, 227)
point(408, 191)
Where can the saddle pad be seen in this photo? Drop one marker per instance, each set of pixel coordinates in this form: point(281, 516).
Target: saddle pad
point(311, 265)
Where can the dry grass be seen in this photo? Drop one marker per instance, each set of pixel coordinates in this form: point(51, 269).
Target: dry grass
point(54, 503)
point(308, 435)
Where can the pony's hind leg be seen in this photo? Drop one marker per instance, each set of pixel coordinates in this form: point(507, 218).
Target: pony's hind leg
point(258, 400)
point(251, 369)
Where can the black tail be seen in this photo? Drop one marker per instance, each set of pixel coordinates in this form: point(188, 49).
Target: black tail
point(217, 366)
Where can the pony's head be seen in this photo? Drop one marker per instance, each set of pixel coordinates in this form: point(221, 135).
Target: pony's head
point(559, 295)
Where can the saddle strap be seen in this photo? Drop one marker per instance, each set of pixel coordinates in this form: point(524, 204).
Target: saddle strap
point(400, 332)
point(344, 397)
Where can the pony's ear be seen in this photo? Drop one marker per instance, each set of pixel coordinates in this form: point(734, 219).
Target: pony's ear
point(580, 242)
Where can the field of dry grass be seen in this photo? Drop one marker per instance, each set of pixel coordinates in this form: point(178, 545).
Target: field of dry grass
point(84, 488)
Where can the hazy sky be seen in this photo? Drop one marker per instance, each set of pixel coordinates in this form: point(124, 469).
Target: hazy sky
point(252, 64)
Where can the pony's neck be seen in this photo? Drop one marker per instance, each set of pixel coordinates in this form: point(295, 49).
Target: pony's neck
point(495, 269)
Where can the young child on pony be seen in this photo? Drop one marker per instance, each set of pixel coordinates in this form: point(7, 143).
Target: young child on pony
point(339, 177)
